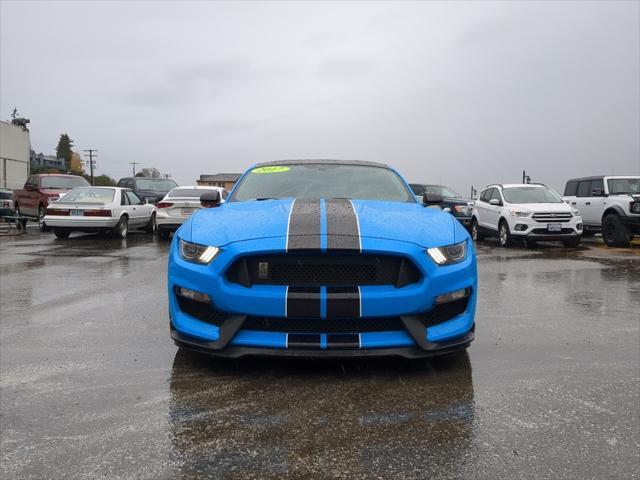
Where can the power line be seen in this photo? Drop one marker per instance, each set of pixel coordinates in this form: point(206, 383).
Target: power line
point(91, 164)
point(134, 167)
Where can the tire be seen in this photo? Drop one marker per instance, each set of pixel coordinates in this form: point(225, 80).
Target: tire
point(573, 243)
point(504, 234)
point(614, 232)
point(152, 225)
point(122, 228)
point(61, 233)
point(41, 225)
point(163, 234)
point(476, 234)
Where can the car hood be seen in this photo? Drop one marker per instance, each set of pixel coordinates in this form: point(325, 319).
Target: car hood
point(239, 221)
point(458, 200)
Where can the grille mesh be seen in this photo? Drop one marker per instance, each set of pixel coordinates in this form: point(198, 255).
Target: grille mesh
point(313, 325)
point(201, 311)
point(323, 270)
point(442, 313)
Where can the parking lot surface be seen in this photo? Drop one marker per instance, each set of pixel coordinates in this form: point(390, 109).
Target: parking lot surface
point(92, 386)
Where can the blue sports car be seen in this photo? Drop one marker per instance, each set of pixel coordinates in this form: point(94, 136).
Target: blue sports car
point(322, 258)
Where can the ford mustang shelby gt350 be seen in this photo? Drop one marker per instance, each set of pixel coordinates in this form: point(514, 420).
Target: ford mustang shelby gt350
point(322, 258)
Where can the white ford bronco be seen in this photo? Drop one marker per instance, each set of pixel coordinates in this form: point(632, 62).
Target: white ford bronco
point(608, 204)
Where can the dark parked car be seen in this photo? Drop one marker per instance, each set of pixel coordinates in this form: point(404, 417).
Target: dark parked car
point(151, 189)
point(452, 201)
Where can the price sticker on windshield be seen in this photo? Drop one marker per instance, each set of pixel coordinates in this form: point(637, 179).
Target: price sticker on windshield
point(274, 169)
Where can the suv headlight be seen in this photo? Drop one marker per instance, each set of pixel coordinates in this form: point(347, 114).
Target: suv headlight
point(519, 213)
point(450, 254)
point(576, 213)
point(202, 254)
point(462, 209)
point(634, 207)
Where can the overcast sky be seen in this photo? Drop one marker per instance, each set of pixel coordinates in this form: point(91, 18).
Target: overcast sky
point(459, 93)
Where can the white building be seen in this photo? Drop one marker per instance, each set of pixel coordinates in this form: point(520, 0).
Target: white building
point(15, 147)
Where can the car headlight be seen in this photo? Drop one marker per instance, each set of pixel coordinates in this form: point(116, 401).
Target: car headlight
point(576, 213)
point(450, 254)
point(193, 252)
point(462, 209)
point(519, 213)
point(634, 207)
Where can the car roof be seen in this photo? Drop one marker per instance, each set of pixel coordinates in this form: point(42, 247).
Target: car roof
point(515, 185)
point(199, 187)
point(321, 162)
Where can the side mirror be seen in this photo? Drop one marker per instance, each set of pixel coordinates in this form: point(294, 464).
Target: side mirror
point(30, 187)
point(495, 202)
point(429, 199)
point(597, 192)
point(210, 199)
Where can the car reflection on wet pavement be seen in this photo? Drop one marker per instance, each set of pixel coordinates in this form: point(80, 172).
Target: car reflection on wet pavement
point(92, 386)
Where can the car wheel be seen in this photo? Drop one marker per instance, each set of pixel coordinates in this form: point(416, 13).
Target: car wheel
point(122, 228)
point(43, 226)
point(614, 232)
point(61, 233)
point(163, 234)
point(476, 234)
point(504, 235)
point(573, 243)
point(152, 224)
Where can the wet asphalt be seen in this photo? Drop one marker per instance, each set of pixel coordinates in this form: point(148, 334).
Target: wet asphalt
point(92, 386)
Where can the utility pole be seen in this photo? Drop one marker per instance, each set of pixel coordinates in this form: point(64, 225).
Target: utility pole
point(525, 178)
point(167, 176)
point(134, 167)
point(92, 153)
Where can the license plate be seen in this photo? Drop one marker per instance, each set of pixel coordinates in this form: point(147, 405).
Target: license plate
point(554, 227)
point(186, 211)
point(76, 213)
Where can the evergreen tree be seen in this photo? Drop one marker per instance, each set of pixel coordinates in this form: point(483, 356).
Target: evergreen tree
point(64, 149)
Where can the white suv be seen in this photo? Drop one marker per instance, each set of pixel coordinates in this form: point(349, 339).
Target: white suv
point(610, 204)
point(532, 212)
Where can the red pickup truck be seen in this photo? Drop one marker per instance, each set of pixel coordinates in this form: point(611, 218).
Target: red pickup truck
point(39, 190)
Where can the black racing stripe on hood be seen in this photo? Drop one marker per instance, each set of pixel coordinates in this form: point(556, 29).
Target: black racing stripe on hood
point(343, 232)
point(304, 226)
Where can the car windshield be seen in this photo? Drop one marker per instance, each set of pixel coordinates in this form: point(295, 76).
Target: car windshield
point(6, 195)
point(318, 180)
point(531, 195)
point(623, 185)
point(446, 192)
point(187, 192)
point(155, 185)
point(63, 182)
point(89, 195)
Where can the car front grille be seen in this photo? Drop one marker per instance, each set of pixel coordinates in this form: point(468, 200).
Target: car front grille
point(550, 217)
point(544, 231)
point(323, 325)
point(443, 312)
point(323, 270)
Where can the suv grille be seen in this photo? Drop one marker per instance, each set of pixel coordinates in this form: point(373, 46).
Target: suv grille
point(324, 325)
point(323, 270)
point(550, 217)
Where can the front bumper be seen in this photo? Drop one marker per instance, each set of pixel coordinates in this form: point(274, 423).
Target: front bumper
point(633, 223)
point(411, 339)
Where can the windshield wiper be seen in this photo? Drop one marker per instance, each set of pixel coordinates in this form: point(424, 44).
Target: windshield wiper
point(265, 198)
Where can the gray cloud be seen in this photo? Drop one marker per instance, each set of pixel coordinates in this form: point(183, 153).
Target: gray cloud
point(455, 92)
